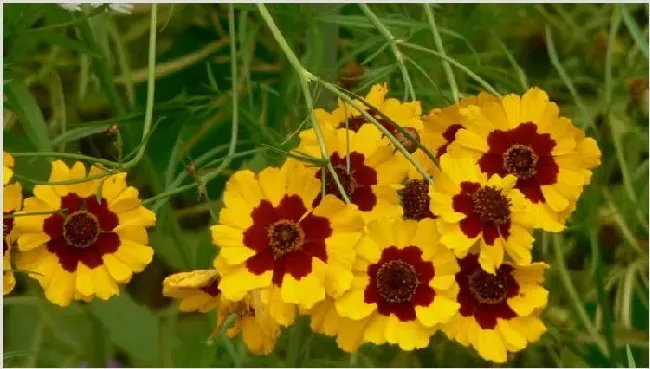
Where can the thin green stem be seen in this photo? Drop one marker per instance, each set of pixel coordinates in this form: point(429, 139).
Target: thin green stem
point(66, 155)
point(100, 63)
point(68, 182)
point(151, 87)
point(330, 87)
point(603, 299)
point(573, 296)
point(233, 71)
point(456, 64)
point(392, 43)
point(438, 41)
point(305, 77)
point(31, 213)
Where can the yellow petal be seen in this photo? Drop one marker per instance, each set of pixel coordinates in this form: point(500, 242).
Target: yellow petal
point(490, 346)
point(530, 298)
point(512, 337)
point(441, 310)
point(376, 329)
point(13, 197)
point(118, 270)
point(554, 199)
point(61, 291)
point(60, 172)
point(134, 255)
point(351, 305)
point(29, 241)
point(530, 326)
point(471, 140)
point(491, 256)
point(236, 284)
point(306, 292)
point(105, 285)
point(113, 186)
point(84, 280)
point(273, 184)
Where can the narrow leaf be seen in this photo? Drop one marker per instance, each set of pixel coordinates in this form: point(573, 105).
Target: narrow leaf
point(29, 114)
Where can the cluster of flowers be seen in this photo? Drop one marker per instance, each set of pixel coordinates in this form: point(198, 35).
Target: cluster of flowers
point(374, 254)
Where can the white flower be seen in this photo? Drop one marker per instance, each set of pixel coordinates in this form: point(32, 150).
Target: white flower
point(71, 7)
point(119, 8)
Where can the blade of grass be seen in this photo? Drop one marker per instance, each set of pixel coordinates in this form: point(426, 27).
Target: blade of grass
point(555, 61)
point(29, 114)
point(635, 32)
point(445, 64)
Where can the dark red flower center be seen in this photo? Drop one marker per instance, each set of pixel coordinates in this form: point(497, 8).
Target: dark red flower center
point(491, 205)
point(415, 200)
point(357, 181)
point(449, 135)
point(7, 226)
point(409, 145)
point(81, 229)
point(525, 153)
point(286, 238)
point(399, 282)
point(212, 288)
point(84, 234)
point(396, 281)
point(488, 288)
point(487, 211)
point(357, 121)
point(521, 161)
point(483, 295)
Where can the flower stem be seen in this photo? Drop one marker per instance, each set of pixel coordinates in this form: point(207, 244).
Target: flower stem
point(151, 88)
point(438, 40)
point(573, 295)
point(456, 64)
point(392, 43)
point(305, 77)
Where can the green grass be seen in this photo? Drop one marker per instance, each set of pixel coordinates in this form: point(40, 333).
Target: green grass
point(68, 78)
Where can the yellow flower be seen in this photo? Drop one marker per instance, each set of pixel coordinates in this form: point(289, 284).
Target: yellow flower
point(443, 123)
point(93, 240)
point(198, 290)
point(253, 321)
point(12, 202)
point(498, 312)
point(7, 168)
point(526, 137)
point(406, 114)
point(273, 239)
point(402, 287)
point(374, 170)
point(474, 209)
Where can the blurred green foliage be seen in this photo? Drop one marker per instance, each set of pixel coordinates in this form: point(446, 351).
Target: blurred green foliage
point(68, 77)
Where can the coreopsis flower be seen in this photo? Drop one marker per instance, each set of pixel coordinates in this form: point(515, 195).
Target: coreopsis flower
point(258, 329)
point(365, 164)
point(443, 123)
point(91, 238)
point(405, 114)
point(489, 212)
point(274, 237)
point(499, 312)
point(12, 202)
point(402, 289)
point(7, 168)
point(526, 137)
point(198, 290)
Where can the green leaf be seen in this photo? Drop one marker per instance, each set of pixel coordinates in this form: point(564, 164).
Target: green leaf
point(51, 37)
point(133, 328)
point(29, 114)
point(79, 133)
point(636, 33)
